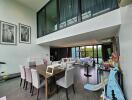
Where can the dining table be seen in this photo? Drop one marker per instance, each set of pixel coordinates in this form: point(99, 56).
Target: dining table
point(42, 71)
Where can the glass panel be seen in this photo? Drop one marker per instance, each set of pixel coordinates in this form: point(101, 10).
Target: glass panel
point(41, 26)
point(100, 53)
point(82, 52)
point(77, 52)
point(89, 51)
point(63, 13)
point(68, 12)
point(73, 53)
point(91, 8)
point(51, 16)
point(100, 6)
point(95, 53)
point(72, 7)
point(86, 8)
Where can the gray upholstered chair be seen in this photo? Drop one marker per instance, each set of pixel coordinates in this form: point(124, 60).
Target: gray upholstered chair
point(23, 75)
point(28, 77)
point(3, 98)
point(36, 81)
point(67, 80)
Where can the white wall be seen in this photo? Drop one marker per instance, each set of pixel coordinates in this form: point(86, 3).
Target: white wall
point(100, 22)
point(125, 39)
point(14, 55)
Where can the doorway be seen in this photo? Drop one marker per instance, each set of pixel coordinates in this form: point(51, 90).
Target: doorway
point(107, 50)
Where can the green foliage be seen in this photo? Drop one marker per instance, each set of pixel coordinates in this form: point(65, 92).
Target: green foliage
point(89, 52)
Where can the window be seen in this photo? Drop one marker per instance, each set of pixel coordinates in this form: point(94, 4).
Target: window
point(51, 16)
point(89, 51)
point(82, 52)
point(77, 52)
point(58, 14)
point(86, 8)
point(100, 51)
point(73, 53)
point(91, 8)
point(41, 24)
point(68, 12)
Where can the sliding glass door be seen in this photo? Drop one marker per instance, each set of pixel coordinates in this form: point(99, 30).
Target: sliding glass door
point(94, 52)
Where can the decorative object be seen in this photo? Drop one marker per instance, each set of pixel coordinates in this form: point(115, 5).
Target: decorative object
point(24, 33)
point(8, 33)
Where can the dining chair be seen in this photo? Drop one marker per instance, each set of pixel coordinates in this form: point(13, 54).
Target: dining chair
point(36, 82)
point(54, 62)
point(28, 78)
point(3, 98)
point(30, 62)
point(23, 75)
point(63, 64)
point(68, 65)
point(45, 62)
point(67, 80)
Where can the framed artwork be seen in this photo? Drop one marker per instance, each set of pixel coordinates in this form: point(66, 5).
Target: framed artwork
point(8, 33)
point(24, 33)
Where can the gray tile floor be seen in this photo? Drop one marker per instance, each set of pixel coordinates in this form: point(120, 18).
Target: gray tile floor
point(12, 90)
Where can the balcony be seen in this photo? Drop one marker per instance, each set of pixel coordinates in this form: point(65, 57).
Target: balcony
point(100, 27)
point(59, 14)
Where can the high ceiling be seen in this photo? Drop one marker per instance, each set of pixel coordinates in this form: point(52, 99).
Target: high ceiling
point(33, 4)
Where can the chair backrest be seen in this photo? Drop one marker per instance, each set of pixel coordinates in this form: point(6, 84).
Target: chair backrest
point(31, 62)
point(90, 61)
point(22, 72)
point(28, 74)
point(35, 78)
point(55, 62)
point(69, 76)
point(45, 62)
point(64, 59)
point(63, 64)
point(68, 65)
point(3, 98)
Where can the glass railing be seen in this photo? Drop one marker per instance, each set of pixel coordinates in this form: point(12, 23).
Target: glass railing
point(59, 14)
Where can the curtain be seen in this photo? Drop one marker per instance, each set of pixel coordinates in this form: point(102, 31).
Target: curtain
point(68, 12)
point(96, 7)
point(41, 24)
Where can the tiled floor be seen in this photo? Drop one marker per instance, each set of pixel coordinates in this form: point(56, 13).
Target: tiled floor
point(12, 90)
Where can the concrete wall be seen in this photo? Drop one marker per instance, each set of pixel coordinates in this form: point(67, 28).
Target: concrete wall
point(14, 55)
point(125, 39)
